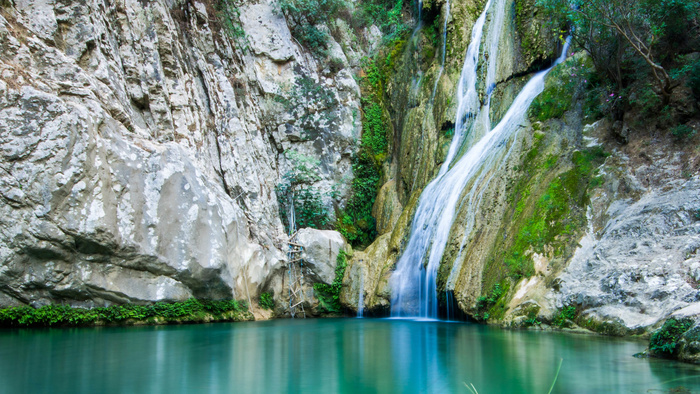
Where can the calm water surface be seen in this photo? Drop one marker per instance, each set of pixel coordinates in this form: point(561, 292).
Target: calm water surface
point(327, 356)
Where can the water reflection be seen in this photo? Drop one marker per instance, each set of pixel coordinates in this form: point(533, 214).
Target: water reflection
point(326, 356)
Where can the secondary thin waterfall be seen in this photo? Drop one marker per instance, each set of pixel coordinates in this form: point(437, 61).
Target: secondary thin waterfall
point(414, 292)
point(361, 298)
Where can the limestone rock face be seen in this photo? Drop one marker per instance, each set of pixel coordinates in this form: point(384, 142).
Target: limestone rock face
point(321, 248)
point(642, 265)
point(141, 143)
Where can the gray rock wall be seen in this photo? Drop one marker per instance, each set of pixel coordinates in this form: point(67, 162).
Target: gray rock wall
point(140, 147)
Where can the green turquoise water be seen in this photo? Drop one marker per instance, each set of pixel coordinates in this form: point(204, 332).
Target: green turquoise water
point(328, 356)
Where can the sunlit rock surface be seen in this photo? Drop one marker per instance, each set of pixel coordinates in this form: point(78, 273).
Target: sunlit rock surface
point(141, 143)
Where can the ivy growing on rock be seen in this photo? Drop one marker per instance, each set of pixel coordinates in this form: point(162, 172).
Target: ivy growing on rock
point(664, 341)
point(356, 222)
point(329, 294)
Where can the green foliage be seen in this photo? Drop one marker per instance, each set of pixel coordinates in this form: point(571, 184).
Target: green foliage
point(306, 16)
point(664, 340)
point(531, 321)
point(694, 79)
point(386, 14)
point(631, 41)
point(565, 316)
point(492, 303)
point(266, 301)
point(61, 315)
point(355, 222)
point(644, 98)
point(297, 186)
point(682, 132)
point(558, 213)
point(230, 16)
point(329, 295)
point(558, 94)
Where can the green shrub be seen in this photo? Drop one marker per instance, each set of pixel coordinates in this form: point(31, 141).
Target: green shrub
point(329, 295)
point(664, 341)
point(531, 321)
point(694, 80)
point(61, 315)
point(266, 301)
point(565, 315)
point(386, 14)
point(485, 304)
point(306, 15)
point(682, 132)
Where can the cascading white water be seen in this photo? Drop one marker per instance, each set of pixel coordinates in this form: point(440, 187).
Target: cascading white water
point(361, 298)
point(414, 281)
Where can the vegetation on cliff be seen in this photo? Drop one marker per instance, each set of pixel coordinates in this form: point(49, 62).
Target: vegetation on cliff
point(190, 311)
point(329, 295)
point(296, 191)
point(642, 51)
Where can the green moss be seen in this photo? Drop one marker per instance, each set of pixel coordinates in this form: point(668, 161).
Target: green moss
point(612, 327)
point(192, 310)
point(558, 212)
point(494, 304)
point(545, 214)
point(329, 295)
point(665, 340)
point(355, 221)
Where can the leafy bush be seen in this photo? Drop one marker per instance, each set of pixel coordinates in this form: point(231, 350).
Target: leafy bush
point(230, 17)
point(306, 16)
point(266, 301)
point(664, 340)
point(565, 315)
point(386, 14)
point(61, 315)
point(694, 80)
point(329, 295)
point(487, 302)
point(682, 132)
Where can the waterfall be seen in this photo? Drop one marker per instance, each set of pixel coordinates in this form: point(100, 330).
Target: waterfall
point(414, 292)
point(361, 298)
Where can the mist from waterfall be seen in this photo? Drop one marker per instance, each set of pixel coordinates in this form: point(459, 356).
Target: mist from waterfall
point(414, 287)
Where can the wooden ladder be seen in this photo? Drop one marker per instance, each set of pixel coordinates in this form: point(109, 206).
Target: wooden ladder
point(295, 267)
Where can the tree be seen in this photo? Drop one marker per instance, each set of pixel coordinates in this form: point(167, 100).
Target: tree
point(613, 30)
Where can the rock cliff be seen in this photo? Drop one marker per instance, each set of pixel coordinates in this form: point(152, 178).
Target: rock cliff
point(141, 144)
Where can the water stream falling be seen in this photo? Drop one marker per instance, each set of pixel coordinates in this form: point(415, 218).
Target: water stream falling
point(414, 292)
point(361, 298)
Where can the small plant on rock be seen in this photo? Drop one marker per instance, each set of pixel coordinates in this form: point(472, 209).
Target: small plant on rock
point(329, 295)
point(682, 132)
point(665, 340)
point(266, 301)
point(565, 316)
